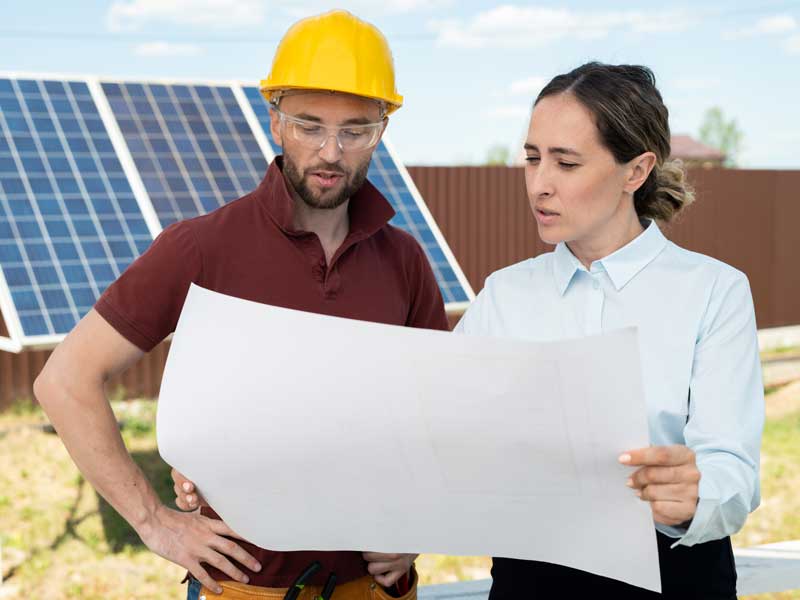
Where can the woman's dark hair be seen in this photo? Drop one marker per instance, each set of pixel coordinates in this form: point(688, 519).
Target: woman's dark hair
point(632, 119)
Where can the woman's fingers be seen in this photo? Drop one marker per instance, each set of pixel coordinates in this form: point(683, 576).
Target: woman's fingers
point(676, 454)
point(671, 503)
point(669, 492)
point(668, 478)
point(687, 473)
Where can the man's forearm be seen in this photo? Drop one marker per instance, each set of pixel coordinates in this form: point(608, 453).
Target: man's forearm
point(87, 427)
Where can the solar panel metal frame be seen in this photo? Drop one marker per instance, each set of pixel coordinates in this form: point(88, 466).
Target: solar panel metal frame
point(17, 340)
point(8, 312)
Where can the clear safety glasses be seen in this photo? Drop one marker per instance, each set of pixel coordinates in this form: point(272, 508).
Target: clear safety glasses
point(314, 135)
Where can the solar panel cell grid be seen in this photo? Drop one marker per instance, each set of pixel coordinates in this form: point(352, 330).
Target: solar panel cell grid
point(69, 223)
point(190, 143)
point(69, 220)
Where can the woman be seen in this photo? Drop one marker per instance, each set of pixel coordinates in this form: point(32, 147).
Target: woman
point(598, 178)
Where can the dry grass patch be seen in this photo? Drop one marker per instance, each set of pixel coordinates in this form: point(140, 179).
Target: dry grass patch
point(65, 542)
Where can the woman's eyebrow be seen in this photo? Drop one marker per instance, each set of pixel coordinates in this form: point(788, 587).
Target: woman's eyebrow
point(553, 149)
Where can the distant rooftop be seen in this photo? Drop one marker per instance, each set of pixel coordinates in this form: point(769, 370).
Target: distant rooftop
point(687, 148)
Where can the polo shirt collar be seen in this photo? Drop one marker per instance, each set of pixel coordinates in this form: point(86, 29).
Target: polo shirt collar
point(369, 210)
point(621, 266)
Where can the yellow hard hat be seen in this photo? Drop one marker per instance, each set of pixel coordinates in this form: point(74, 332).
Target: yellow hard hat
point(334, 51)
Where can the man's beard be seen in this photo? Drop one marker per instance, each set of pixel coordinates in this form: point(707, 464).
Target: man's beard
point(353, 180)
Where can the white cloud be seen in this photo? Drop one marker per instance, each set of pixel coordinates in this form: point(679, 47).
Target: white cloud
point(518, 26)
point(131, 15)
point(792, 44)
point(509, 111)
point(367, 9)
point(157, 49)
point(774, 25)
point(667, 21)
point(777, 24)
point(527, 87)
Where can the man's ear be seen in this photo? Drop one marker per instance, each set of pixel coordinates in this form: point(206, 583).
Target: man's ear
point(275, 126)
point(385, 125)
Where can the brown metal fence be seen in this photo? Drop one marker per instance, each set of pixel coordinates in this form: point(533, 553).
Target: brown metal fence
point(748, 219)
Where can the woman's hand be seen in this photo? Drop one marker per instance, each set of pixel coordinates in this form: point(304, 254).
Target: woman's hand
point(388, 568)
point(667, 478)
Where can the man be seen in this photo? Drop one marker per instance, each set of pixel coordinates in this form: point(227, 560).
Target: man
point(313, 236)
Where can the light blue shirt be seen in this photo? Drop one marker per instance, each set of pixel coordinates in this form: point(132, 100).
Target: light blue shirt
point(699, 352)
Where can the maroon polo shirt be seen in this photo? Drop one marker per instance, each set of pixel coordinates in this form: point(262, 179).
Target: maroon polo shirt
point(249, 249)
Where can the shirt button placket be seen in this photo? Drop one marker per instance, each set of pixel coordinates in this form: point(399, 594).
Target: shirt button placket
point(594, 318)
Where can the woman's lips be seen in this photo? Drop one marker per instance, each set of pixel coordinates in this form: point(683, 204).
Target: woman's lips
point(545, 217)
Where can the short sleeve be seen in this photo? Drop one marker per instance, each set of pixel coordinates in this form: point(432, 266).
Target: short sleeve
point(144, 303)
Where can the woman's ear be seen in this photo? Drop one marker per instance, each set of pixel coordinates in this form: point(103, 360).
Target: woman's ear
point(638, 171)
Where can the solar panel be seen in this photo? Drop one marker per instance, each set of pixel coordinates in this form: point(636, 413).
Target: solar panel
point(69, 222)
point(388, 175)
point(90, 171)
point(191, 144)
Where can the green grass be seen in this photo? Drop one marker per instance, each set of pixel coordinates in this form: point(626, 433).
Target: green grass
point(60, 540)
point(780, 352)
point(778, 517)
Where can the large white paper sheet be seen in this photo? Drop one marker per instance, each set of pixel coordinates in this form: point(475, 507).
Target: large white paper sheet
point(312, 432)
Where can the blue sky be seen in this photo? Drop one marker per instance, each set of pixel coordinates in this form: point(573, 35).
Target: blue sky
point(468, 70)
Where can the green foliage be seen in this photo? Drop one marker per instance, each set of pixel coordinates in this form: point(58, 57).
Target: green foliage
point(24, 407)
point(722, 134)
point(498, 155)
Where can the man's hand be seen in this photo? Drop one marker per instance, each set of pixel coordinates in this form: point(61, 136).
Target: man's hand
point(186, 497)
point(190, 538)
point(668, 479)
point(388, 568)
